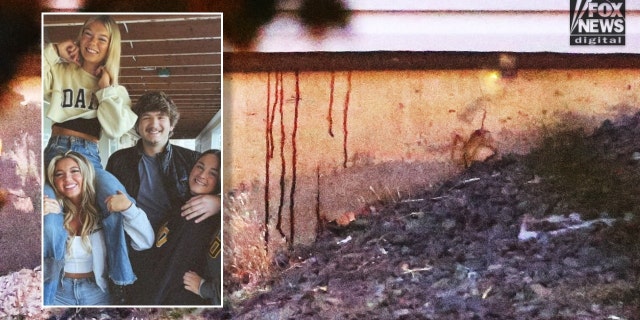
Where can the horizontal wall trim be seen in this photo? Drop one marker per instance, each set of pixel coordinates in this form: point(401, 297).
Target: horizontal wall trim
point(439, 31)
point(422, 5)
point(411, 60)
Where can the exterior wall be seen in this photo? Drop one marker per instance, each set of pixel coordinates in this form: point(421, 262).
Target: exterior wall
point(340, 141)
point(211, 136)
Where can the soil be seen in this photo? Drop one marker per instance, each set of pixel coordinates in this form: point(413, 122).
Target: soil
point(454, 251)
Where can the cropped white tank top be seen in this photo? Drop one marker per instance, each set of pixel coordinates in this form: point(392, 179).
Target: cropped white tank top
point(79, 259)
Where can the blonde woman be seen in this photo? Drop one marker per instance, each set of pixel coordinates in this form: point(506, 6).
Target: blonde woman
point(83, 100)
point(74, 247)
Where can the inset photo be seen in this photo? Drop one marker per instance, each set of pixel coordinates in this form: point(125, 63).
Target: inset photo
point(132, 176)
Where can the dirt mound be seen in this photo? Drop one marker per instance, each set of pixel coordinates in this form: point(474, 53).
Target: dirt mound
point(454, 252)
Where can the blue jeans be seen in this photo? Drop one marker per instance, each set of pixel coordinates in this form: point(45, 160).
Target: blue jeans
point(80, 292)
point(54, 239)
point(120, 270)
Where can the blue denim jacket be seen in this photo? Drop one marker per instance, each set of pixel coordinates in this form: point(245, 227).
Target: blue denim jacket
point(120, 270)
point(134, 223)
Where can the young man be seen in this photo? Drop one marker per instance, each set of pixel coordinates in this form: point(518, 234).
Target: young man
point(156, 174)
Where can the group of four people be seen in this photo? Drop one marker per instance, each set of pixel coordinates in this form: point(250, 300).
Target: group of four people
point(145, 231)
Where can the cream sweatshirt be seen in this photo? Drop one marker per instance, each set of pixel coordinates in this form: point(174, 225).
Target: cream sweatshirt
point(71, 93)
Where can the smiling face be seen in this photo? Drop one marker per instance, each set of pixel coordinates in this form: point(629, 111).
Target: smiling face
point(94, 44)
point(67, 179)
point(204, 175)
point(154, 128)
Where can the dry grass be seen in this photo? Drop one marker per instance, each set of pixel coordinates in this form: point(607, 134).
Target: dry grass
point(247, 259)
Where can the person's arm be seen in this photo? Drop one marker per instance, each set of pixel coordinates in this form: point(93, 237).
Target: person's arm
point(68, 51)
point(201, 207)
point(192, 282)
point(49, 58)
point(209, 290)
point(115, 113)
point(138, 227)
point(54, 53)
point(136, 223)
point(200, 286)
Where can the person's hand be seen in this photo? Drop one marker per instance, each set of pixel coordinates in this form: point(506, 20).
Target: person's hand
point(191, 282)
point(69, 51)
point(104, 77)
point(50, 206)
point(118, 202)
point(201, 207)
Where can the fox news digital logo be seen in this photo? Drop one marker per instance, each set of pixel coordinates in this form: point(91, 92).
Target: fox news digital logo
point(597, 22)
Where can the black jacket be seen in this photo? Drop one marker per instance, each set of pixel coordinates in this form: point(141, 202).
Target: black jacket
point(181, 246)
point(210, 289)
point(176, 162)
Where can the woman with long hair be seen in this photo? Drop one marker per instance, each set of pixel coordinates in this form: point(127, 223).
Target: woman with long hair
point(80, 277)
point(84, 100)
point(187, 254)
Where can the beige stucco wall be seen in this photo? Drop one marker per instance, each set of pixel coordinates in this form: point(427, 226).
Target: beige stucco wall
point(392, 131)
